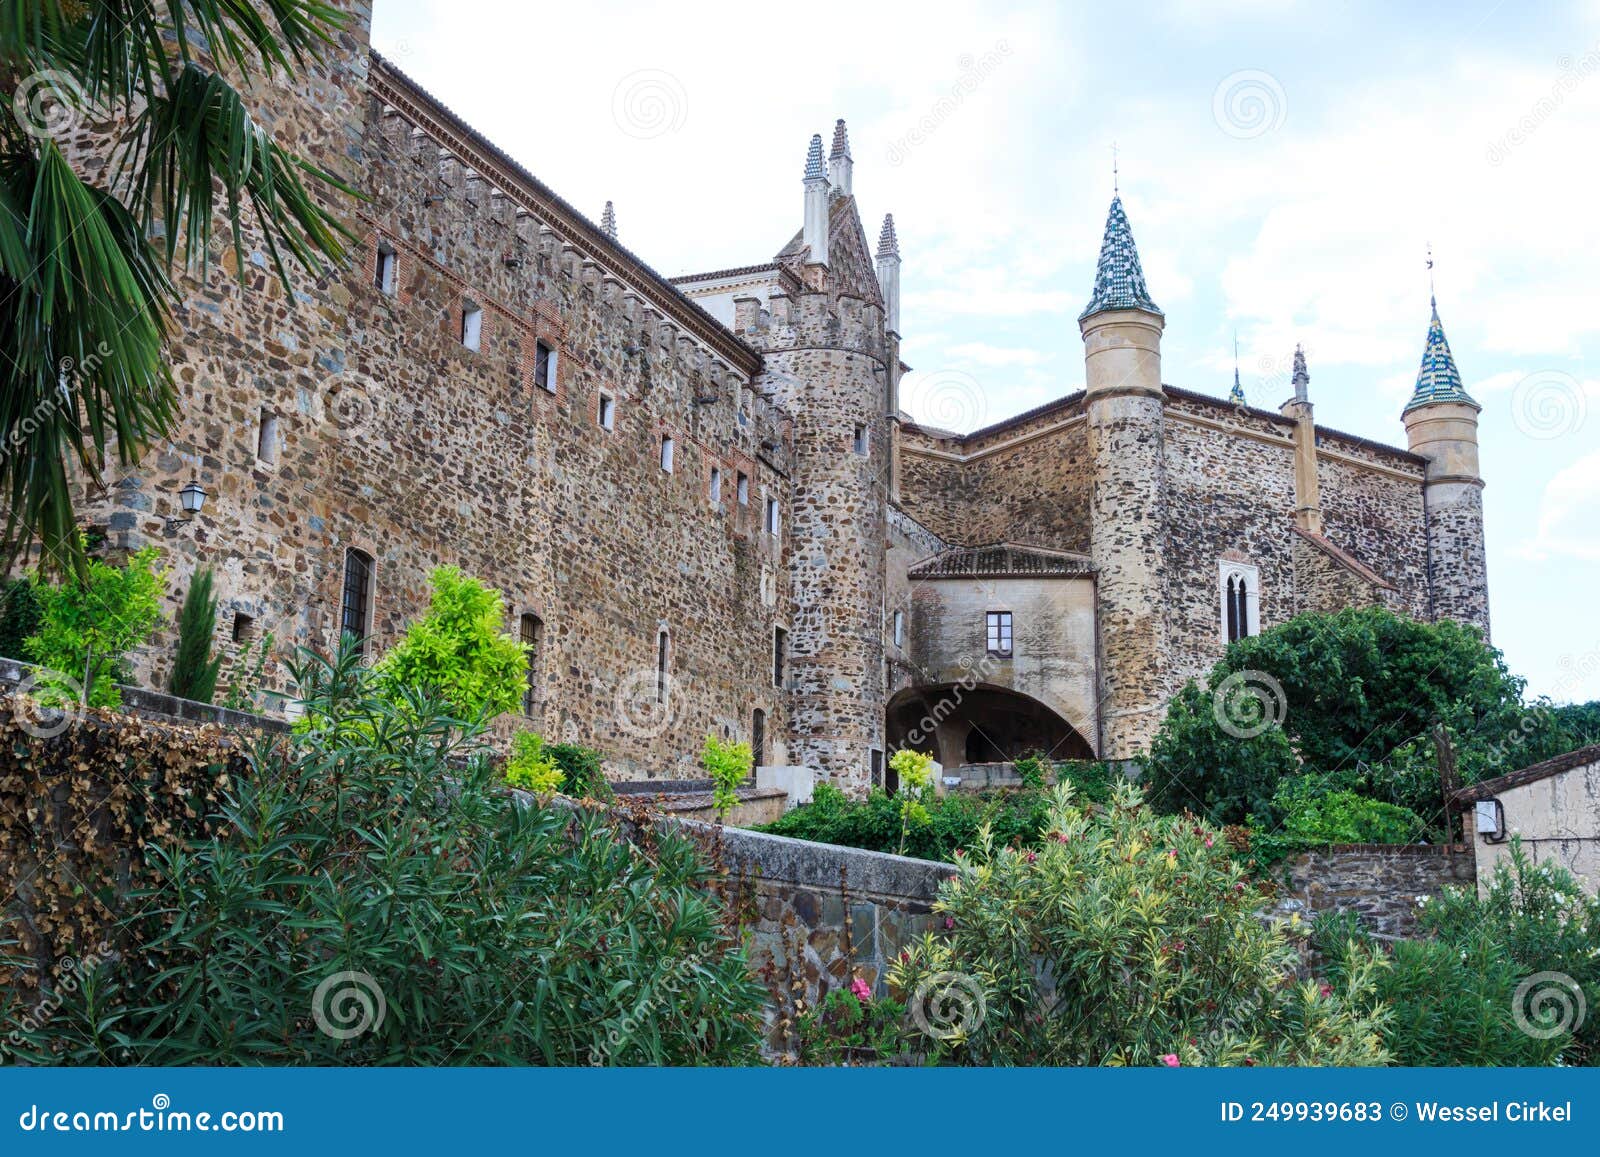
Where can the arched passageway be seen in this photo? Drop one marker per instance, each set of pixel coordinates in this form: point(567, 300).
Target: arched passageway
point(983, 724)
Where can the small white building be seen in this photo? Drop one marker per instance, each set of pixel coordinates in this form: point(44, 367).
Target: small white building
point(1554, 806)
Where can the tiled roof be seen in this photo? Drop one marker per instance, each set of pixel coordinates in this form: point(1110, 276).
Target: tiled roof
point(1003, 559)
point(841, 140)
point(1490, 788)
point(814, 169)
point(888, 243)
point(1438, 380)
point(1118, 278)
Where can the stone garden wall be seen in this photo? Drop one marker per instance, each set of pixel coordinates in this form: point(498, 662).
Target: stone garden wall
point(1380, 883)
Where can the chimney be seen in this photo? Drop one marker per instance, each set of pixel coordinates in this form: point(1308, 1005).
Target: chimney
point(839, 163)
point(815, 234)
point(889, 273)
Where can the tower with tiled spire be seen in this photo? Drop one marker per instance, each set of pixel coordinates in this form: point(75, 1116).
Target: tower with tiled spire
point(840, 165)
point(1124, 402)
point(1236, 395)
point(1442, 425)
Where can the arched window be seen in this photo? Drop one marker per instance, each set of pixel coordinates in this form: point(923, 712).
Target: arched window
point(1240, 588)
point(532, 632)
point(355, 604)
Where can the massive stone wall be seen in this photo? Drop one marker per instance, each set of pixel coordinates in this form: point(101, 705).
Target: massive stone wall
point(1382, 884)
point(395, 438)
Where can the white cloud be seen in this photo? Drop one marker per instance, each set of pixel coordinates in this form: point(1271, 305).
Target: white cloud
point(1569, 517)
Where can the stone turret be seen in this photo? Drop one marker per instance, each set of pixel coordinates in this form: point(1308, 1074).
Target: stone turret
point(1307, 490)
point(1442, 425)
point(1128, 535)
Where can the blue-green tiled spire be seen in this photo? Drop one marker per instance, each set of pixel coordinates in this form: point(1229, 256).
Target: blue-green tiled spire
point(1118, 279)
point(1236, 395)
point(1438, 380)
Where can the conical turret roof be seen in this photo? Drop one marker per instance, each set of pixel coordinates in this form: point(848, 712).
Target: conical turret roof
point(1438, 380)
point(1118, 278)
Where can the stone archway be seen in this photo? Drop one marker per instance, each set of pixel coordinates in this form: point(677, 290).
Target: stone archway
point(958, 724)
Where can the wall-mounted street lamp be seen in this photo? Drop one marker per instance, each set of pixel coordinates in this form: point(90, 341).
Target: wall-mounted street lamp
point(193, 498)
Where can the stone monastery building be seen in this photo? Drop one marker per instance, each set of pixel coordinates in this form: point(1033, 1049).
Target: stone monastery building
point(701, 499)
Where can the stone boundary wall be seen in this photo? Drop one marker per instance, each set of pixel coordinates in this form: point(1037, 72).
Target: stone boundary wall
point(1380, 883)
point(156, 705)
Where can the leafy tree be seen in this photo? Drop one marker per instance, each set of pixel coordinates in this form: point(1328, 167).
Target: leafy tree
point(85, 296)
point(19, 616)
point(195, 671)
point(345, 911)
point(460, 649)
point(530, 766)
point(1127, 938)
point(728, 764)
point(88, 625)
point(1355, 689)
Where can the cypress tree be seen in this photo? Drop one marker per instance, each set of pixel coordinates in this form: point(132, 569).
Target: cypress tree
point(194, 675)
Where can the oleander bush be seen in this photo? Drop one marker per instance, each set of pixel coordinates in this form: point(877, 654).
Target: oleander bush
point(1126, 938)
point(371, 895)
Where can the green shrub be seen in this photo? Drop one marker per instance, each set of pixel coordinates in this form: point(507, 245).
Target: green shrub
point(460, 648)
point(914, 774)
point(195, 671)
point(728, 765)
point(244, 679)
point(88, 624)
point(1304, 814)
point(851, 1026)
point(1031, 769)
point(1015, 817)
point(484, 931)
point(583, 773)
point(19, 616)
point(530, 765)
point(1359, 688)
point(1127, 938)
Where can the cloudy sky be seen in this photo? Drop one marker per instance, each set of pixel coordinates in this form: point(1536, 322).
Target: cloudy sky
point(1284, 165)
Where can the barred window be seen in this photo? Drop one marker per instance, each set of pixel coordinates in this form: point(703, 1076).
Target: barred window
point(355, 611)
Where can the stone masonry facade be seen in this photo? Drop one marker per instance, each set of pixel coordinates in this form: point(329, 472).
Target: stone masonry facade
point(700, 497)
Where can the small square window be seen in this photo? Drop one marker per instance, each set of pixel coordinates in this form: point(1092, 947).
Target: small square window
point(244, 628)
point(544, 368)
point(471, 327)
point(742, 488)
point(667, 448)
point(860, 444)
point(999, 632)
point(383, 270)
point(716, 485)
point(607, 415)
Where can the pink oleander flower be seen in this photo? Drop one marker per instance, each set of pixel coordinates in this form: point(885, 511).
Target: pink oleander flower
point(1208, 841)
point(861, 989)
point(1032, 857)
point(949, 923)
point(1170, 1060)
point(1327, 990)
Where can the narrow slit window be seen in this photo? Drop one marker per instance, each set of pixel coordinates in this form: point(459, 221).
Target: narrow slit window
point(267, 438)
point(663, 657)
point(899, 628)
point(355, 609)
point(859, 442)
point(544, 367)
point(472, 327)
point(667, 449)
point(531, 631)
point(774, 519)
point(742, 486)
point(607, 415)
point(780, 655)
point(716, 485)
point(383, 270)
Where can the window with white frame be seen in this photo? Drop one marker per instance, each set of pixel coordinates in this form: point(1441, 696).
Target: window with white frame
point(544, 367)
point(742, 487)
point(607, 414)
point(774, 521)
point(899, 628)
point(997, 629)
point(1239, 591)
point(667, 448)
point(716, 485)
point(471, 326)
point(383, 270)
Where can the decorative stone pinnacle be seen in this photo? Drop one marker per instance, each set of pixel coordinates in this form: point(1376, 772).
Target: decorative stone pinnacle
point(841, 140)
point(888, 243)
point(814, 167)
point(1118, 278)
point(608, 221)
point(1302, 376)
